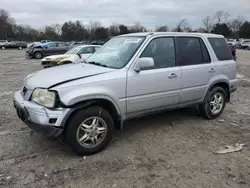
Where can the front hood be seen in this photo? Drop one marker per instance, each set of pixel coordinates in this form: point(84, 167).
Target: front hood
point(50, 77)
point(57, 57)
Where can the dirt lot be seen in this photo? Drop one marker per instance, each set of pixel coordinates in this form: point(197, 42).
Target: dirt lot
point(172, 149)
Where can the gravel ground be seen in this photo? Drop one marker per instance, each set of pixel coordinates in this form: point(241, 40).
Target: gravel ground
point(172, 149)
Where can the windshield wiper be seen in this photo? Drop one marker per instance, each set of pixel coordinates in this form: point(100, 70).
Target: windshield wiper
point(96, 63)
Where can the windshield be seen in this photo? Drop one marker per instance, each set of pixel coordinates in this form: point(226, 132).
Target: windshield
point(74, 50)
point(117, 52)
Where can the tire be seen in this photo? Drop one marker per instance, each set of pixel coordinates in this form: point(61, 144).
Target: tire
point(205, 108)
point(20, 48)
point(38, 55)
point(3, 48)
point(75, 127)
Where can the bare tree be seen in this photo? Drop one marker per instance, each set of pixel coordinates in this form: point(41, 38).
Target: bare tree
point(57, 28)
point(137, 27)
point(182, 25)
point(92, 27)
point(162, 28)
point(208, 23)
point(201, 30)
point(114, 30)
point(236, 23)
point(226, 17)
point(218, 16)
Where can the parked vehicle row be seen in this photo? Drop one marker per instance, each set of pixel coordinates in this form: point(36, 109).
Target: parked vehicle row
point(13, 45)
point(241, 43)
point(75, 55)
point(130, 76)
point(245, 44)
point(46, 49)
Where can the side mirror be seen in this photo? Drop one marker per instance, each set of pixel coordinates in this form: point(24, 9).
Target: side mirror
point(144, 63)
point(79, 55)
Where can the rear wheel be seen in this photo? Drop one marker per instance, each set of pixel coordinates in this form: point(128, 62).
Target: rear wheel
point(214, 103)
point(38, 55)
point(90, 130)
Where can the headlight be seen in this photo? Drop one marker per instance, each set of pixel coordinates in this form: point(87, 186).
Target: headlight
point(44, 97)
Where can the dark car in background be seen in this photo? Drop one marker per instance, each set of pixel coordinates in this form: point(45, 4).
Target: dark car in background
point(46, 49)
point(99, 42)
point(14, 45)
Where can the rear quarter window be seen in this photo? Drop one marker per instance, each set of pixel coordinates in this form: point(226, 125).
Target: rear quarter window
point(221, 49)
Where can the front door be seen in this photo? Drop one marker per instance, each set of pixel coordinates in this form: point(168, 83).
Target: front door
point(159, 87)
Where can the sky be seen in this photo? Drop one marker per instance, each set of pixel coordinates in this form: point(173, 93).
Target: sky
point(150, 13)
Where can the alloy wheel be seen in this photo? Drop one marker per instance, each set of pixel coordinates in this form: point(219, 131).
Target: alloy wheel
point(216, 103)
point(91, 132)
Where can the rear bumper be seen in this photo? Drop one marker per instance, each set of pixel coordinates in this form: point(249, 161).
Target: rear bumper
point(234, 85)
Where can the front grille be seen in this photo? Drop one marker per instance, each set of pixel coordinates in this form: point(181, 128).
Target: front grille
point(24, 91)
point(49, 62)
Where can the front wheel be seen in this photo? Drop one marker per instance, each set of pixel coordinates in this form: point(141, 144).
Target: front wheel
point(90, 130)
point(214, 103)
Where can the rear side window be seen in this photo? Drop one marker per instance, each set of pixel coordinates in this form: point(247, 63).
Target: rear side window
point(52, 45)
point(220, 48)
point(61, 45)
point(189, 51)
point(205, 54)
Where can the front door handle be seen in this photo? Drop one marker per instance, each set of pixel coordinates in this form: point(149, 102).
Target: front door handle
point(212, 70)
point(172, 75)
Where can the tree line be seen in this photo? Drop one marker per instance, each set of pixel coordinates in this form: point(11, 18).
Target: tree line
point(219, 23)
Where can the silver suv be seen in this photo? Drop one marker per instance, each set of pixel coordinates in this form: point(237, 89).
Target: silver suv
point(131, 75)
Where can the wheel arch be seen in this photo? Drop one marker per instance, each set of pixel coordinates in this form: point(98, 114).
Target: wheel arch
point(104, 103)
point(221, 83)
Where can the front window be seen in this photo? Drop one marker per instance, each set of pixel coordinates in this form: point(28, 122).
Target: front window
point(117, 52)
point(86, 50)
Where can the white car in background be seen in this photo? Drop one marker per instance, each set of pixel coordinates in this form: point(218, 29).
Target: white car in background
point(30, 45)
point(245, 44)
point(75, 55)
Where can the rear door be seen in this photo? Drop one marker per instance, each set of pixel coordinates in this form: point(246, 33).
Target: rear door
point(224, 65)
point(61, 48)
point(196, 68)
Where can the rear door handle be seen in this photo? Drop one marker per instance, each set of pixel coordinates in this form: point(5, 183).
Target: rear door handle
point(212, 70)
point(172, 75)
